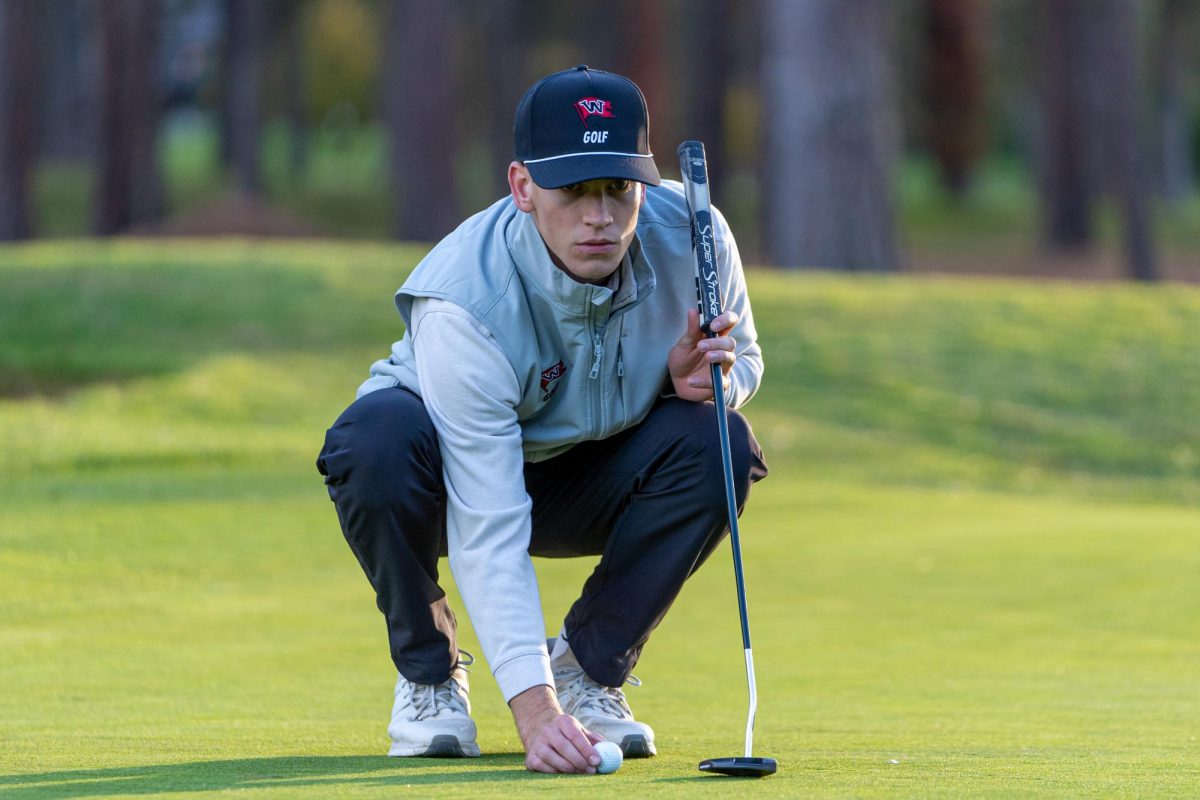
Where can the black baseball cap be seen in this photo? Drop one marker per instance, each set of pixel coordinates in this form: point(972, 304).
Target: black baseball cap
point(582, 124)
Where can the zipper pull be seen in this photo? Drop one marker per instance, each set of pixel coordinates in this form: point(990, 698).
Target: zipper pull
point(620, 362)
point(598, 352)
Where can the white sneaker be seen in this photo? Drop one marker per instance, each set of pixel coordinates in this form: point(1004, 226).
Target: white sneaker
point(434, 719)
point(601, 709)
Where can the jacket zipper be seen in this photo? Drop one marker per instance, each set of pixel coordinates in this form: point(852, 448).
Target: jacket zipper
point(598, 353)
point(597, 328)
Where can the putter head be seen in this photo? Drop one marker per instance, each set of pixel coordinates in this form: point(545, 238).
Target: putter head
point(739, 767)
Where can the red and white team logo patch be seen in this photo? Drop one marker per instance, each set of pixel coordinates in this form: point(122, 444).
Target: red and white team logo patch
point(593, 107)
point(550, 378)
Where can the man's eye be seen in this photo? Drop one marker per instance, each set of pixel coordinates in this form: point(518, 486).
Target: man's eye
point(620, 186)
point(574, 188)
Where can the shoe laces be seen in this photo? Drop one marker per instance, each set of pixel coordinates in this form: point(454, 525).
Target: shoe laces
point(430, 700)
point(607, 701)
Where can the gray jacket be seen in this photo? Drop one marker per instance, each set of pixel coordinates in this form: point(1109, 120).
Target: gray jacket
point(591, 362)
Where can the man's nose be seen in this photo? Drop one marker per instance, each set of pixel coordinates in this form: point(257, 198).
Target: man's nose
point(597, 212)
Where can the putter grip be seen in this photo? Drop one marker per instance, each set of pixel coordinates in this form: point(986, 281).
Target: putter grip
point(693, 166)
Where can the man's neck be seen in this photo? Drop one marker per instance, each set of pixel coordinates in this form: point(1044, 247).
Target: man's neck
point(612, 281)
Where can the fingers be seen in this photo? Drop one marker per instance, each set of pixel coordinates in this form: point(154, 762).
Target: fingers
point(690, 360)
point(722, 325)
point(693, 333)
point(703, 381)
point(725, 322)
point(554, 763)
point(563, 746)
point(579, 751)
point(718, 350)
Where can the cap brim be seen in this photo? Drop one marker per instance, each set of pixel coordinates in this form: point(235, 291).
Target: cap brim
point(558, 172)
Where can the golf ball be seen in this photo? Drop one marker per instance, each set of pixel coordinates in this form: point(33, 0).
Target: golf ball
point(610, 757)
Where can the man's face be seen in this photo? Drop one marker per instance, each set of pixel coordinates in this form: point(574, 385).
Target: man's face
point(586, 226)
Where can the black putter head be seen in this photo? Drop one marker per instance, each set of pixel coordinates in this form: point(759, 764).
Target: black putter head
point(739, 767)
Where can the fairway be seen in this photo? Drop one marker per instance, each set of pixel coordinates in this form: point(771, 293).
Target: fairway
point(973, 572)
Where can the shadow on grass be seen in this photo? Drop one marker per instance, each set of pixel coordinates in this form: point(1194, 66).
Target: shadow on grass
point(264, 773)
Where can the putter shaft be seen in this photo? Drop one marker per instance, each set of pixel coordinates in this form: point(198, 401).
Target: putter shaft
point(736, 543)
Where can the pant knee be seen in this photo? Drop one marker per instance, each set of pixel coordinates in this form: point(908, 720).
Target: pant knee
point(746, 456)
point(381, 444)
point(697, 426)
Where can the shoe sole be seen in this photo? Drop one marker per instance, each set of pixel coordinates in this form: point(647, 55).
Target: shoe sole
point(637, 746)
point(444, 746)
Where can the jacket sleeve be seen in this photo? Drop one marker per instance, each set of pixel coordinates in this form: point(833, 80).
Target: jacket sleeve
point(747, 372)
point(471, 394)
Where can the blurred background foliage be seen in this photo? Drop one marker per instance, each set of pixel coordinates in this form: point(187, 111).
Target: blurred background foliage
point(1057, 137)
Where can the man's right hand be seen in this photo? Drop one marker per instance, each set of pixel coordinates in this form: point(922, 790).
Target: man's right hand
point(554, 742)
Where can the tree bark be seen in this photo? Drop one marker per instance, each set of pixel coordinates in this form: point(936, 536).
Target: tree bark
point(1176, 51)
point(708, 56)
point(419, 92)
point(241, 122)
point(19, 73)
point(67, 101)
point(955, 88)
point(1118, 51)
point(1067, 141)
point(644, 61)
point(829, 134)
point(504, 31)
point(129, 189)
point(290, 19)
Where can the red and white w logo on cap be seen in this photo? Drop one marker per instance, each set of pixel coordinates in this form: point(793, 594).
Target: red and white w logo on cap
point(593, 107)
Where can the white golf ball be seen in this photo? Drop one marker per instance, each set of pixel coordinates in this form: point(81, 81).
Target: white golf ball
point(610, 757)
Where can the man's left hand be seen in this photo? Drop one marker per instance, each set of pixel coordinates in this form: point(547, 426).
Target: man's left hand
point(690, 360)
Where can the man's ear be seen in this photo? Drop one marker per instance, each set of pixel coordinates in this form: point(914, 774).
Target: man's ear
point(520, 184)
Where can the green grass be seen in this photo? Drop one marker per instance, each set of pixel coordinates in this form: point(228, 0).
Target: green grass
point(972, 572)
point(986, 384)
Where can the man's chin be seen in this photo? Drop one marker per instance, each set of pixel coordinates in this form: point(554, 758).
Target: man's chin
point(597, 271)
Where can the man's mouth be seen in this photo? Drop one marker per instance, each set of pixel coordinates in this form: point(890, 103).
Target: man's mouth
point(596, 246)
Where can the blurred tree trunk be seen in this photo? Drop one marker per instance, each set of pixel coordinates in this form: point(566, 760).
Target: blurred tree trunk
point(829, 134)
point(419, 91)
point(1119, 61)
point(643, 59)
point(1176, 51)
point(1068, 125)
point(19, 73)
point(289, 24)
point(1091, 80)
point(597, 30)
point(241, 79)
point(708, 57)
point(129, 189)
point(67, 102)
point(955, 88)
point(504, 31)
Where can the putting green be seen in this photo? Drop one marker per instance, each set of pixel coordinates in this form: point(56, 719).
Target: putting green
point(943, 603)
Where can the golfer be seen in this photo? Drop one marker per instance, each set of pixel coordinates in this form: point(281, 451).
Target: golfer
point(551, 396)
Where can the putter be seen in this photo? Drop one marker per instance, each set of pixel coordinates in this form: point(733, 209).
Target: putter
point(694, 168)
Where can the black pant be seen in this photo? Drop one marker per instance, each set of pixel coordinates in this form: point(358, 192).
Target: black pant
point(649, 500)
